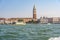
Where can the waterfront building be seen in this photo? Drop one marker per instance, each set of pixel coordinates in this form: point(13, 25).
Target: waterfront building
point(26, 19)
point(46, 20)
point(50, 20)
point(10, 20)
point(59, 20)
point(55, 19)
point(7, 21)
point(43, 20)
point(2, 20)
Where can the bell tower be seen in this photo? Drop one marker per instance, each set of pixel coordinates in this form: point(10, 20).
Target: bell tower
point(34, 13)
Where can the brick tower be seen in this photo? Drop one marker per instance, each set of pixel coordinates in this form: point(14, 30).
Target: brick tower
point(34, 13)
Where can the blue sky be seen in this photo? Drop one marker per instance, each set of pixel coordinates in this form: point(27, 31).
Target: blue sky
point(23, 8)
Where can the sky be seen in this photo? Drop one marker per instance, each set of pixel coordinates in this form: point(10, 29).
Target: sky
point(24, 8)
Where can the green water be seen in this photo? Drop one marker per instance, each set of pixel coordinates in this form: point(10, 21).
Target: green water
point(29, 32)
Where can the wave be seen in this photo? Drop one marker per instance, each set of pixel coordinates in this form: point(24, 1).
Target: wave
point(54, 38)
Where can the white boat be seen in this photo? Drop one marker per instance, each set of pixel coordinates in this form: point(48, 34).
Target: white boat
point(48, 23)
point(20, 23)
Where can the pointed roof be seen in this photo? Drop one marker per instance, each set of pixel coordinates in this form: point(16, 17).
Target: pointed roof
point(34, 7)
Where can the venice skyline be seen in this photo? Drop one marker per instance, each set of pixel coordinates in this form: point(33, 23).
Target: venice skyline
point(20, 8)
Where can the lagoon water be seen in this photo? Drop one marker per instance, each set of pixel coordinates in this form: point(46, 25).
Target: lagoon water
point(29, 32)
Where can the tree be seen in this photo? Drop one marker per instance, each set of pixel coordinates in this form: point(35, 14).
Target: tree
point(20, 20)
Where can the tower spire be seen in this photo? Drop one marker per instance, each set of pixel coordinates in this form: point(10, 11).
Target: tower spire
point(34, 12)
point(34, 7)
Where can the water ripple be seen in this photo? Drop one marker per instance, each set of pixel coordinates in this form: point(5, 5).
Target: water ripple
point(29, 32)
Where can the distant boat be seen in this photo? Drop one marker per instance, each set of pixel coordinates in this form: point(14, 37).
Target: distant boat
point(20, 23)
point(48, 23)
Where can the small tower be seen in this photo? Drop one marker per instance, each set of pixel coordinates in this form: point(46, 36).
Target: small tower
point(34, 13)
